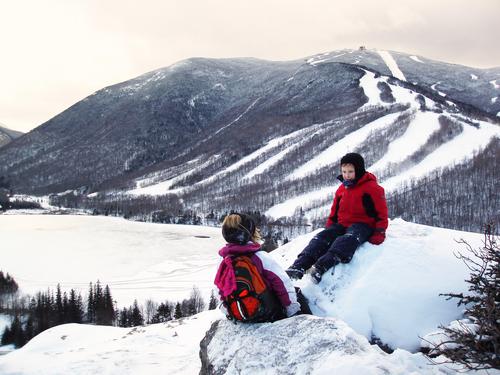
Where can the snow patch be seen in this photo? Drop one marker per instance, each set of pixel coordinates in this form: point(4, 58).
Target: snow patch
point(219, 86)
point(316, 62)
point(261, 168)
point(415, 58)
point(146, 186)
point(288, 207)
point(435, 89)
point(140, 83)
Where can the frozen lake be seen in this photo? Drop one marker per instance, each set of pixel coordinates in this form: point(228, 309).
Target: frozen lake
point(137, 260)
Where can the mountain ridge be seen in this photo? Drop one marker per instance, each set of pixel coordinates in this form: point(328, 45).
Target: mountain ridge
point(8, 135)
point(193, 127)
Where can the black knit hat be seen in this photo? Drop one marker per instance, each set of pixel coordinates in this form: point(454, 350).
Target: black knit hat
point(356, 160)
point(243, 233)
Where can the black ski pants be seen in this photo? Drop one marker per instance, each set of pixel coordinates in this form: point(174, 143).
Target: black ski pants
point(333, 245)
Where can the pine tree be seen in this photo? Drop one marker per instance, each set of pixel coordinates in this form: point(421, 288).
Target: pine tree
point(178, 311)
point(164, 313)
point(108, 314)
point(19, 338)
point(91, 305)
point(75, 309)
point(137, 318)
point(7, 338)
point(212, 304)
point(66, 308)
point(475, 344)
point(29, 329)
point(123, 319)
point(60, 316)
point(2, 283)
point(99, 303)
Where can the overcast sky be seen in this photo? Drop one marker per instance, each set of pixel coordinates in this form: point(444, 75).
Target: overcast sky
point(56, 52)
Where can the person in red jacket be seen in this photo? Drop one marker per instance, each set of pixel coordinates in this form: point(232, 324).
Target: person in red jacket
point(358, 214)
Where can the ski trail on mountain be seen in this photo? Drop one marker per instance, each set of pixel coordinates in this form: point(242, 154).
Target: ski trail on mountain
point(392, 65)
point(419, 131)
point(471, 140)
point(239, 117)
point(369, 85)
point(333, 153)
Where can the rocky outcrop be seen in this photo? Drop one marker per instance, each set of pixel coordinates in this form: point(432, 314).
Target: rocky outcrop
point(296, 345)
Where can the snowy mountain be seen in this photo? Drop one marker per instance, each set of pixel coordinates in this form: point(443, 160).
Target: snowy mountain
point(452, 81)
point(388, 293)
point(8, 135)
point(259, 135)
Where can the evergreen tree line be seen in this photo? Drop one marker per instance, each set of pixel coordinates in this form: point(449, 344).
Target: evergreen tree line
point(33, 315)
point(43, 311)
point(154, 312)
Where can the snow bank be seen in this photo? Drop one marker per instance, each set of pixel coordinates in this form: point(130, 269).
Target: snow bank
point(392, 291)
point(167, 348)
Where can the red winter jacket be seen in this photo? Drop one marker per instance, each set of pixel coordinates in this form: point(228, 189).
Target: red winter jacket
point(362, 203)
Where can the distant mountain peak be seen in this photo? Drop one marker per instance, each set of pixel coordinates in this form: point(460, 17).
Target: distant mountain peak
point(8, 135)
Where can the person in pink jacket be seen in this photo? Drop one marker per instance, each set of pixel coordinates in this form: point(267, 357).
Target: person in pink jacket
point(242, 238)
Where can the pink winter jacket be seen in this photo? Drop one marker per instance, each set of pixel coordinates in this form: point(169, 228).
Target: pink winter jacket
point(273, 274)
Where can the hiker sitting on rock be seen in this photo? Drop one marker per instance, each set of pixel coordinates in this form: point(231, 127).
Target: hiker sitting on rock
point(358, 214)
point(252, 285)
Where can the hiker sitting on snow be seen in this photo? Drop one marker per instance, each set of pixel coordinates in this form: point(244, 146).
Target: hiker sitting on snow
point(358, 214)
point(271, 295)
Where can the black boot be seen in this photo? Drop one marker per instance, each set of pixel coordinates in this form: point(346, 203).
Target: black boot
point(316, 274)
point(295, 273)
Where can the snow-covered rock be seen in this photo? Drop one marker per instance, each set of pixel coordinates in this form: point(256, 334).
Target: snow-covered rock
point(303, 345)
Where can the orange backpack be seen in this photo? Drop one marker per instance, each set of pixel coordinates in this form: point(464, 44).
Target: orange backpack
point(252, 301)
